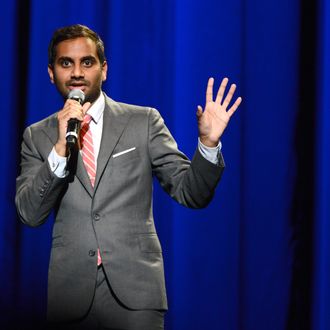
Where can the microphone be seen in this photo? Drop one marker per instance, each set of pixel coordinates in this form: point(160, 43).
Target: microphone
point(73, 129)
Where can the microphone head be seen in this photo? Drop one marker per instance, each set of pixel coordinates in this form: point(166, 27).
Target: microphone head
point(77, 94)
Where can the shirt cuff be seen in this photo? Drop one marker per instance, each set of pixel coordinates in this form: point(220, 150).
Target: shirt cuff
point(57, 164)
point(210, 153)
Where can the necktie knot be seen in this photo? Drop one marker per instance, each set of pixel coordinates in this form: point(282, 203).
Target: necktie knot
point(87, 119)
point(85, 127)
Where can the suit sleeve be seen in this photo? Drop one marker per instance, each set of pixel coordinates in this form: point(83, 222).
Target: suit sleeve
point(191, 183)
point(37, 187)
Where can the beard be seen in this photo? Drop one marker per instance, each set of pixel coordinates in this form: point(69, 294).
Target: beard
point(91, 95)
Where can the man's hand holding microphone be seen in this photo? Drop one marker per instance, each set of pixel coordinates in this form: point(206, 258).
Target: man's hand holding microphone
point(69, 119)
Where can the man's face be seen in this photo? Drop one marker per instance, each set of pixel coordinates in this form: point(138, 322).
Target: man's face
point(77, 66)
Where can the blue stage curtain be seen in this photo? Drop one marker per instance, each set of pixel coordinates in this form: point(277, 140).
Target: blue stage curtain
point(229, 266)
point(321, 275)
point(9, 228)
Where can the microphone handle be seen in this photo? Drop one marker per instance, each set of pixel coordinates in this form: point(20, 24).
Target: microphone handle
point(72, 132)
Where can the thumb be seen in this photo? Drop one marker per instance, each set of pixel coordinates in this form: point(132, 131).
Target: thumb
point(199, 111)
point(86, 106)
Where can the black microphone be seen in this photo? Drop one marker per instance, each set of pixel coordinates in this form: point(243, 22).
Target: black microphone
point(73, 129)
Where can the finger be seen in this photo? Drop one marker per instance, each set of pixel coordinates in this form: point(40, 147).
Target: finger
point(69, 106)
point(85, 107)
point(71, 112)
point(221, 90)
point(73, 115)
point(199, 111)
point(209, 90)
point(229, 95)
point(71, 102)
point(234, 106)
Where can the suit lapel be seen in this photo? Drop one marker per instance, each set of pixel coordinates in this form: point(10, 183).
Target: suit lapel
point(82, 175)
point(115, 119)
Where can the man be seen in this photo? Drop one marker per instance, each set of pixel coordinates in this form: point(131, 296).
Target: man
point(106, 267)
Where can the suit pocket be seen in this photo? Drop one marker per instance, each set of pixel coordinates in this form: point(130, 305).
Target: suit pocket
point(149, 243)
point(125, 157)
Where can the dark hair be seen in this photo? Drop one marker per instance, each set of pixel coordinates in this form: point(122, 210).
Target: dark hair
point(73, 32)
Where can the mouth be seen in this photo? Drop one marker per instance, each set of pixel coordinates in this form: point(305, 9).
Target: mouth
point(76, 85)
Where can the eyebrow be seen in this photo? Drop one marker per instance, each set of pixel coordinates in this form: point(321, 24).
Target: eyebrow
point(67, 58)
point(90, 57)
point(64, 58)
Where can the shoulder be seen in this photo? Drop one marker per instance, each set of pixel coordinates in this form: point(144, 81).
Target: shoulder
point(48, 122)
point(43, 131)
point(131, 109)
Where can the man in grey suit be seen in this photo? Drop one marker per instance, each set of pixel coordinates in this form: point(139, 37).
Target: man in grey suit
point(106, 267)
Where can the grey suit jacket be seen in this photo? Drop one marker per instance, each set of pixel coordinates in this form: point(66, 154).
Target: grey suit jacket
point(116, 215)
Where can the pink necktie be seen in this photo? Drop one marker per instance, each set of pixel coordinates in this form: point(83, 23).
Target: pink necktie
point(87, 153)
point(87, 149)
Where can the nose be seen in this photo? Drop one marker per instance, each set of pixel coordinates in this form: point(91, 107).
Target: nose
point(77, 72)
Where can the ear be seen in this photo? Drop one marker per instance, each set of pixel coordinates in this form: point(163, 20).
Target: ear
point(104, 70)
point(51, 73)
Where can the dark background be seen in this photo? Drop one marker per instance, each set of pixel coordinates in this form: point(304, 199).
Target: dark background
point(258, 257)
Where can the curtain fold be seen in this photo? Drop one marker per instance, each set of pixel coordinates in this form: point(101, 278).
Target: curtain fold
point(321, 274)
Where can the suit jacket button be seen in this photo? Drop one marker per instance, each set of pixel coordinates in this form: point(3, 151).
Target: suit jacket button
point(91, 253)
point(97, 217)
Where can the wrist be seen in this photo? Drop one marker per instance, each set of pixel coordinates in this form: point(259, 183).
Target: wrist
point(60, 149)
point(208, 142)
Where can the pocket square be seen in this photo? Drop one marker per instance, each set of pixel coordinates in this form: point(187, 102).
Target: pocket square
point(123, 152)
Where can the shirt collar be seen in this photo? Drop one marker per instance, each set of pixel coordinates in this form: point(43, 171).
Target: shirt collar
point(97, 108)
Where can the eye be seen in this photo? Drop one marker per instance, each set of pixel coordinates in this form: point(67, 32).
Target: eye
point(65, 63)
point(87, 62)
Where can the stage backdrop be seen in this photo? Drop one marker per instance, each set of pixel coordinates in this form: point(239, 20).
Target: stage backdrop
point(250, 259)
